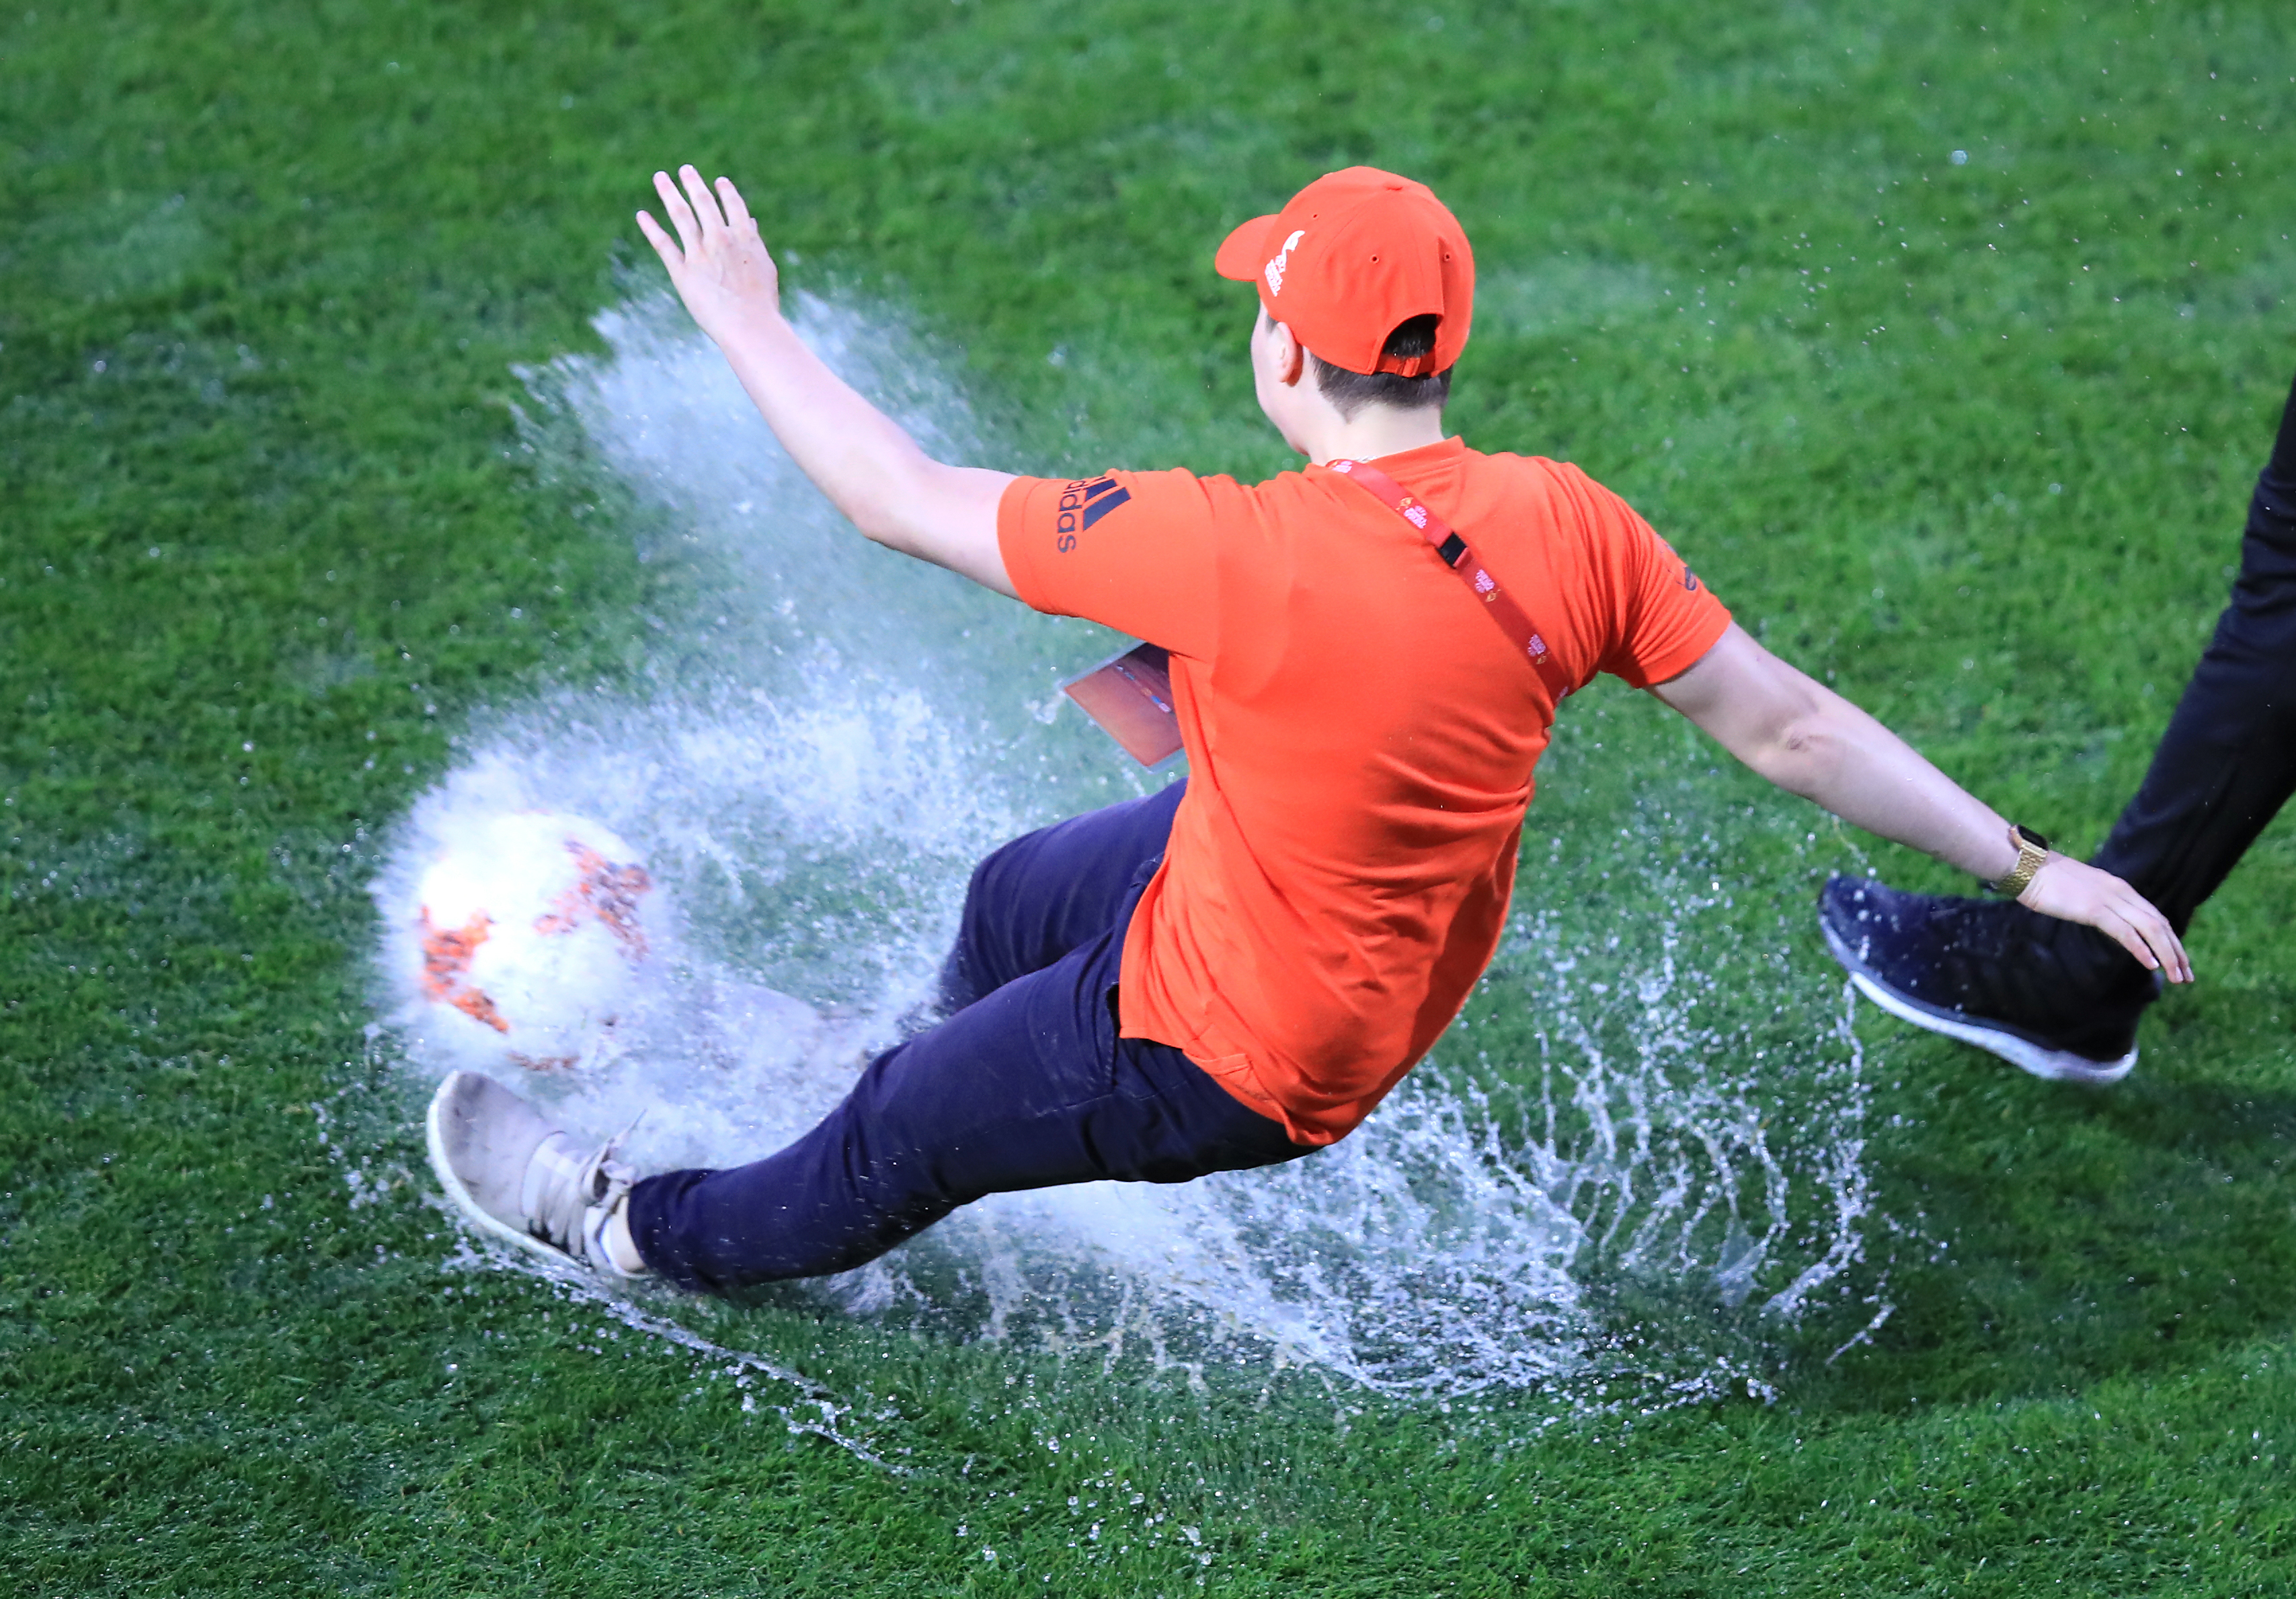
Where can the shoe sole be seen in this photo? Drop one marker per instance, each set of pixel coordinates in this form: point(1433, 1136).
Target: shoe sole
point(2052, 1065)
point(434, 1135)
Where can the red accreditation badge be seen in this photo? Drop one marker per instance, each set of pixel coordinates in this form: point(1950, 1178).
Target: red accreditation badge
point(1130, 696)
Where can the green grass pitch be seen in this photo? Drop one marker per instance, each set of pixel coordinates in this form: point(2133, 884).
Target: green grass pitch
point(1971, 438)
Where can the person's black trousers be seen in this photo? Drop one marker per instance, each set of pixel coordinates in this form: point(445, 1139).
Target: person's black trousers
point(2227, 762)
point(1024, 1084)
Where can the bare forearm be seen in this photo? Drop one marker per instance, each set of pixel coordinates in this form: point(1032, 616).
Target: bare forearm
point(1810, 740)
point(1863, 773)
point(870, 468)
point(854, 453)
point(1843, 759)
point(863, 461)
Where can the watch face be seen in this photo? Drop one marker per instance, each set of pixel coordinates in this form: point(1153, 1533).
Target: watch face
point(2027, 835)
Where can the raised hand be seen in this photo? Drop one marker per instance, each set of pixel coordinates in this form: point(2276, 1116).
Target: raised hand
point(718, 264)
point(2076, 892)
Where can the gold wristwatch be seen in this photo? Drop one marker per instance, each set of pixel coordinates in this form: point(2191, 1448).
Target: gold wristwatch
point(2032, 849)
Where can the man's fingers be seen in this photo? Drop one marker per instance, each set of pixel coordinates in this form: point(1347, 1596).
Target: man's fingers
point(2170, 948)
point(2083, 893)
point(2153, 928)
point(681, 215)
point(2159, 937)
point(737, 210)
point(663, 244)
point(2147, 935)
point(2123, 933)
point(705, 206)
point(2185, 959)
point(2164, 949)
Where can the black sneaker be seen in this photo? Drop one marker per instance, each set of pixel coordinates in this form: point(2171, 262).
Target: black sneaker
point(2055, 998)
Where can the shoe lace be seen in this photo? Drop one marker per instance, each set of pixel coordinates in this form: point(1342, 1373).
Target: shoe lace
point(571, 1187)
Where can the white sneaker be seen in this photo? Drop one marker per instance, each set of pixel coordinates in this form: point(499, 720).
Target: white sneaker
point(520, 1176)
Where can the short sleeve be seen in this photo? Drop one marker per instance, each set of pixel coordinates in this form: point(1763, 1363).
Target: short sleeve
point(1668, 619)
point(1139, 552)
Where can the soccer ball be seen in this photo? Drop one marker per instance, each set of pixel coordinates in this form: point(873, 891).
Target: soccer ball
point(533, 929)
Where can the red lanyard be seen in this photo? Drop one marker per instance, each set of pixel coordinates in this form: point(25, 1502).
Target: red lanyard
point(1454, 552)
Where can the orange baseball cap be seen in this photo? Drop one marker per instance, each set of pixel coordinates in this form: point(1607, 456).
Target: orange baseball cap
point(1354, 255)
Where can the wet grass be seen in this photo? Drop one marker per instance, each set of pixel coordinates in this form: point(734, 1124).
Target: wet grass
point(1971, 439)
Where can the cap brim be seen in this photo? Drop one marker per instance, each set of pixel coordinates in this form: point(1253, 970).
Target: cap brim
point(1238, 259)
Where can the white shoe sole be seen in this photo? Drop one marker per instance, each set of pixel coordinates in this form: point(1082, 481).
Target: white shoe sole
point(477, 1214)
point(2052, 1065)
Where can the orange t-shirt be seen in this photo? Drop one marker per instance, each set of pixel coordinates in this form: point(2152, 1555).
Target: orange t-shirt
point(1360, 739)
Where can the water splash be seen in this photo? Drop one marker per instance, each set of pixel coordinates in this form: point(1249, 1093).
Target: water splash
point(1598, 1174)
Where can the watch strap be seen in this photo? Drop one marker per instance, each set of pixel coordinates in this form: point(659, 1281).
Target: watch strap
point(2032, 851)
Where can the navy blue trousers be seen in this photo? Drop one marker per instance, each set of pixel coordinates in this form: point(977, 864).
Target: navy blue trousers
point(1024, 1084)
point(2227, 762)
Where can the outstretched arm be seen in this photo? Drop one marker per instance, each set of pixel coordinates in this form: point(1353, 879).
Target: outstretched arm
point(1809, 741)
point(869, 468)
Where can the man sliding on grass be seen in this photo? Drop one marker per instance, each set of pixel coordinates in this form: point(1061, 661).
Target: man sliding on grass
point(1366, 656)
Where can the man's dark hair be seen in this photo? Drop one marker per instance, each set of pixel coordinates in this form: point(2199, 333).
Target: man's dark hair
point(1350, 391)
